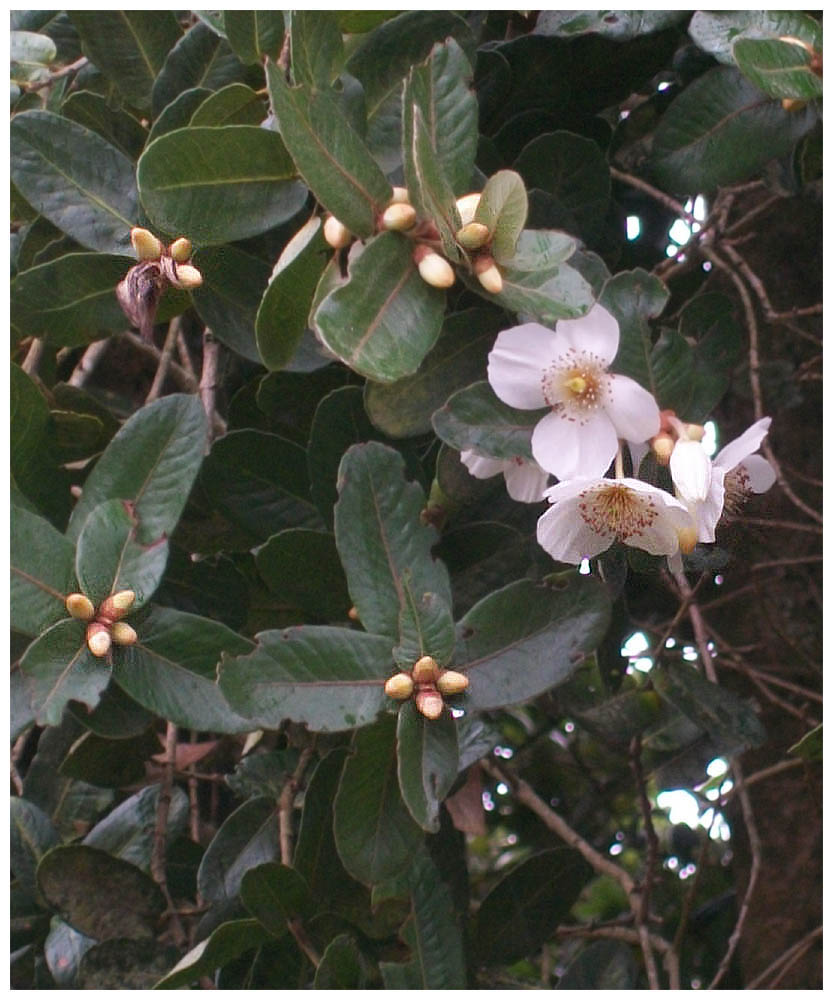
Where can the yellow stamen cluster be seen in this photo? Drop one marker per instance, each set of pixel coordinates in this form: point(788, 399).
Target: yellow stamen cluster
point(428, 683)
point(103, 625)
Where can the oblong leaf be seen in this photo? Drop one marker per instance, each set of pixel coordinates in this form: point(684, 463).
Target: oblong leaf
point(230, 940)
point(428, 759)
point(254, 33)
point(248, 838)
point(235, 104)
point(276, 894)
point(216, 185)
point(284, 562)
point(502, 208)
point(31, 836)
point(474, 418)
point(42, 563)
point(316, 47)
point(714, 31)
point(544, 295)
point(780, 69)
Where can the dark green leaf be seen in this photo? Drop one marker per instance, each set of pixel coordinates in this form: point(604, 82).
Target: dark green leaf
point(634, 297)
point(276, 894)
point(284, 563)
point(227, 942)
point(542, 250)
point(709, 320)
point(115, 717)
point(129, 47)
point(428, 762)
point(63, 950)
point(623, 25)
point(474, 418)
point(248, 838)
point(780, 69)
point(110, 763)
point(375, 834)
point(42, 564)
point(124, 965)
point(216, 185)
point(316, 48)
point(330, 156)
point(601, 965)
point(30, 55)
point(117, 126)
point(426, 627)
point(502, 209)
point(528, 637)
point(385, 319)
point(380, 537)
point(342, 966)
point(235, 104)
point(254, 33)
point(152, 463)
point(128, 831)
point(99, 895)
point(76, 179)
point(213, 587)
point(179, 112)
point(546, 296)
point(32, 835)
point(716, 30)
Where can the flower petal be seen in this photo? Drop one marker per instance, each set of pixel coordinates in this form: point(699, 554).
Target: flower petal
point(662, 536)
point(632, 409)
point(517, 364)
point(566, 536)
point(596, 332)
point(525, 481)
point(760, 472)
point(480, 467)
point(567, 448)
point(748, 443)
point(691, 471)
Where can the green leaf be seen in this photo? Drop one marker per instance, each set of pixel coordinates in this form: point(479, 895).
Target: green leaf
point(330, 156)
point(117, 126)
point(380, 537)
point(328, 678)
point(284, 562)
point(63, 950)
point(228, 942)
point(375, 834)
point(62, 669)
point(254, 33)
point(428, 759)
point(124, 965)
point(284, 309)
point(426, 628)
point(716, 30)
point(129, 47)
point(557, 292)
point(235, 104)
point(32, 835)
point(542, 250)
point(116, 717)
point(316, 47)
point(30, 55)
point(341, 966)
point(81, 183)
point(109, 763)
point(385, 319)
point(179, 112)
point(527, 637)
point(721, 130)
point(601, 965)
point(809, 747)
point(716, 710)
point(108, 557)
point(404, 408)
point(220, 184)
point(780, 69)
point(171, 670)
point(42, 564)
point(622, 25)
point(99, 895)
point(502, 209)
point(474, 418)
point(152, 463)
point(276, 894)
point(634, 298)
point(128, 831)
point(710, 322)
point(525, 907)
point(248, 838)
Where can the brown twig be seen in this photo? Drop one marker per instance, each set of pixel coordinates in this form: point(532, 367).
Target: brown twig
point(57, 74)
point(659, 196)
point(786, 960)
point(87, 365)
point(208, 378)
point(33, 356)
point(286, 801)
point(630, 936)
point(165, 358)
point(650, 833)
point(157, 857)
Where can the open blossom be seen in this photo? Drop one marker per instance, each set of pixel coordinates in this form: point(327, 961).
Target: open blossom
point(588, 515)
point(525, 479)
point(706, 487)
point(567, 370)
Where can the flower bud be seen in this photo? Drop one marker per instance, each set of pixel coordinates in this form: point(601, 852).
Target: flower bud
point(400, 686)
point(433, 269)
point(180, 249)
point(146, 245)
point(792, 104)
point(353, 614)
point(662, 446)
point(429, 703)
point(425, 670)
point(188, 276)
point(472, 236)
point(123, 634)
point(116, 605)
point(80, 607)
point(695, 432)
point(399, 217)
point(452, 682)
point(98, 639)
point(688, 539)
point(467, 206)
point(400, 197)
point(487, 274)
point(336, 233)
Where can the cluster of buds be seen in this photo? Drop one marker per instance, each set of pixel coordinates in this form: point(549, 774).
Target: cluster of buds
point(398, 217)
point(428, 683)
point(142, 287)
point(104, 626)
point(672, 430)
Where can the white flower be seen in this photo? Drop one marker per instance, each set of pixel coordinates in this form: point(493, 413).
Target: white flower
point(525, 479)
point(588, 515)
point(567, 369)
point(706, 487)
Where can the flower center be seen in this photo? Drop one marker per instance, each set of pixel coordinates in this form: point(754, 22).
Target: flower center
point(737, 487)
point(575, 385)
point(617, 511)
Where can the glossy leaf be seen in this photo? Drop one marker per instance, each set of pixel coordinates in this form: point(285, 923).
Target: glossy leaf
point(428, 758)
point(179, 112)
point(316, 47)
point(528, 637)
point(623, 25)
point(254, 33)
point(63, 950)
point(542, 250)
point(152, 463)
point(128, 831)
point(502, 209)
point(276, 894)
point(546, 296)
point(426, 627)
point(341, 966)
point(99, 895)
point(384, 321)
point(375, 834)
point(780, 69)
point(31, 836)
point(248, 838)
point(474, 418)
point(329, 678)
point(109, 763)
point(634, 298)
point(235, 104)
point(381, 538)
point(42, 564)
point(219, 184)
point(284, 562)
point(330, 156)
point(118, 127)
point(230, 940)
point(80, 182)
point(30, 54)
point(715, 31)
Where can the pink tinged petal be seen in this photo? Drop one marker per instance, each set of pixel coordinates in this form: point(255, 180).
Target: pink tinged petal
point(517, 364)
point(632, 409)
point(638, 450)
point(567, 448)
point(480, 467)
point(567, 537)
point(525, 481)
point(760, 473)
point(691, 471)
point(597, 332)
point(748, 443)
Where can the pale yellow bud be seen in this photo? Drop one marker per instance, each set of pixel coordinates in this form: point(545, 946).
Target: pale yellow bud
point(429, 703)
point(188, 276)
point(180, 250)
point(336, 233)
point(688, 539)
point(124, 634)
point(400, 197)
point(80, 607)
point(400, 686)
point(353, 614)
point(472, 236)
point(98, 639)
point(452, 682)
point(662, 446)
point(116, 605)
point(399, 217)
point(792, 104)
point(467, 206)
point(695, 432)
point(433, 269)
point(146, 245)
point(425, 670)
point(488, 275)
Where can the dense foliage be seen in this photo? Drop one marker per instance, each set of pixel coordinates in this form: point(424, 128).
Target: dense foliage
point(317, 679)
